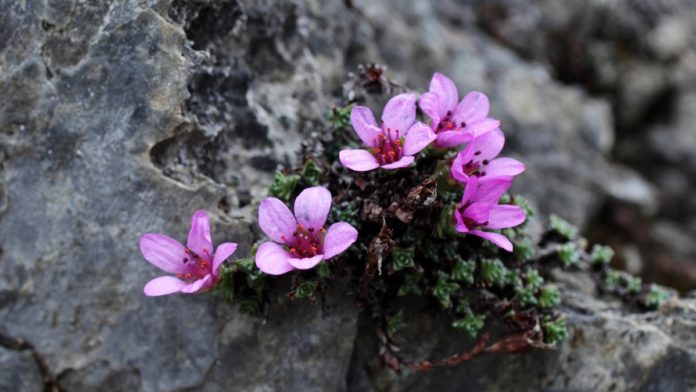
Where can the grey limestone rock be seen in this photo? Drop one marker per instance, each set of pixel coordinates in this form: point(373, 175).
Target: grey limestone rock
point(123, 117)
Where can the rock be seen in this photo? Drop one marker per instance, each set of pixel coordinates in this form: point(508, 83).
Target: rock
point(124, 117)
point(19, 372)
point(607, 350)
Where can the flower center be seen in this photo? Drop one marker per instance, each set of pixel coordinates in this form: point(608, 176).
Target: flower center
point(197, 266)
point(475, 167)
point(447, 124)
point(388, 146)
point(305, 242)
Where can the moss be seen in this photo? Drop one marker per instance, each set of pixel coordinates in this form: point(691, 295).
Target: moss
point(311, 173)
point(411, 284)
point(493, 271)
point(463, 271)
point(555, 330)
point(444, 290)
point(601, 254)
point(568, 253)
point(283, 186)
point(470, 325)
point(305, 290)
point(549, 296)
point(402, 258)
point(533, 279)
point(525, 296)
point(655, 297)
point(524, 249)
point(562, 227)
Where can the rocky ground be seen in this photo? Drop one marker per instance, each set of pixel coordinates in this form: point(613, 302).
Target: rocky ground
point(122, 117)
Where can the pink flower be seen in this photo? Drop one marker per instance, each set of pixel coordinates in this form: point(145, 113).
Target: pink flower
point(479, 209)
point(196, 265)
point(393, 144)
point(300, 239)
point(478, 158)
point(455, 122)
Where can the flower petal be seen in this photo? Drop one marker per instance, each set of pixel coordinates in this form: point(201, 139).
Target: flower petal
point(399, 112)
point(276, 220)
point(163, 285)
point(474, 106)
point(492, 190)
point(306, 263)
point(489, 144)
point(470, 190)
point(478, 212)
point(364, 124)
point(463, 157)
point(431, 105)
point(498, 239)
point(358, 160)
point(478, 128)
point(459, 224)
point(272, 259)
point(199, 285)
point(312, 207)
point(338, 238)
point(503, 167)
point(417, 138)
point(199, 236)
point(403, 162)
point(504, 216)
point(446, 90)
point(447, 139)
point(163, 252)
point(222, 253)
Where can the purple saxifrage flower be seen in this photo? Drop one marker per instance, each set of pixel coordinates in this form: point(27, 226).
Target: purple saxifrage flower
point(392, 144)
point(479, 210)
point(478, 158)
point(196, 265)
point(455, 122)
point(300, 239)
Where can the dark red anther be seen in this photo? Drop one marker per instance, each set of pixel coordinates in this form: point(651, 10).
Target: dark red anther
point(485, 161)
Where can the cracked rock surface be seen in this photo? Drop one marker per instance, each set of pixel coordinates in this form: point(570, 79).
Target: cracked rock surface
point(123, 117)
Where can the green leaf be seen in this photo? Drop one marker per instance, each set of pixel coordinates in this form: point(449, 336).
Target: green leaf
point(283, 186)
point(402, 258)
point(411, 284)
point(443, 290)
point(324, 271)
point(549, 296)
point(563, 227)
point(633, 284)
point(305, 290)
point(655, 297)
point(555, 331)
point(525, 295)
point(395, 323)
point(568, 254)
point(445, 224)
point(463, 271)
point(533, 279)
point(524, 250)
point(493, 271)
point(250, 306)
point(471, 324)
point(311, 173)
point(601, 254)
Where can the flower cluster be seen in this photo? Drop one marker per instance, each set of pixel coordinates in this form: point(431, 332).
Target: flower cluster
point(453, 124)
point(299, 239)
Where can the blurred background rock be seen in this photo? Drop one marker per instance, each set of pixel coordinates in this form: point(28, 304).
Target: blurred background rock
point(121, 117)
